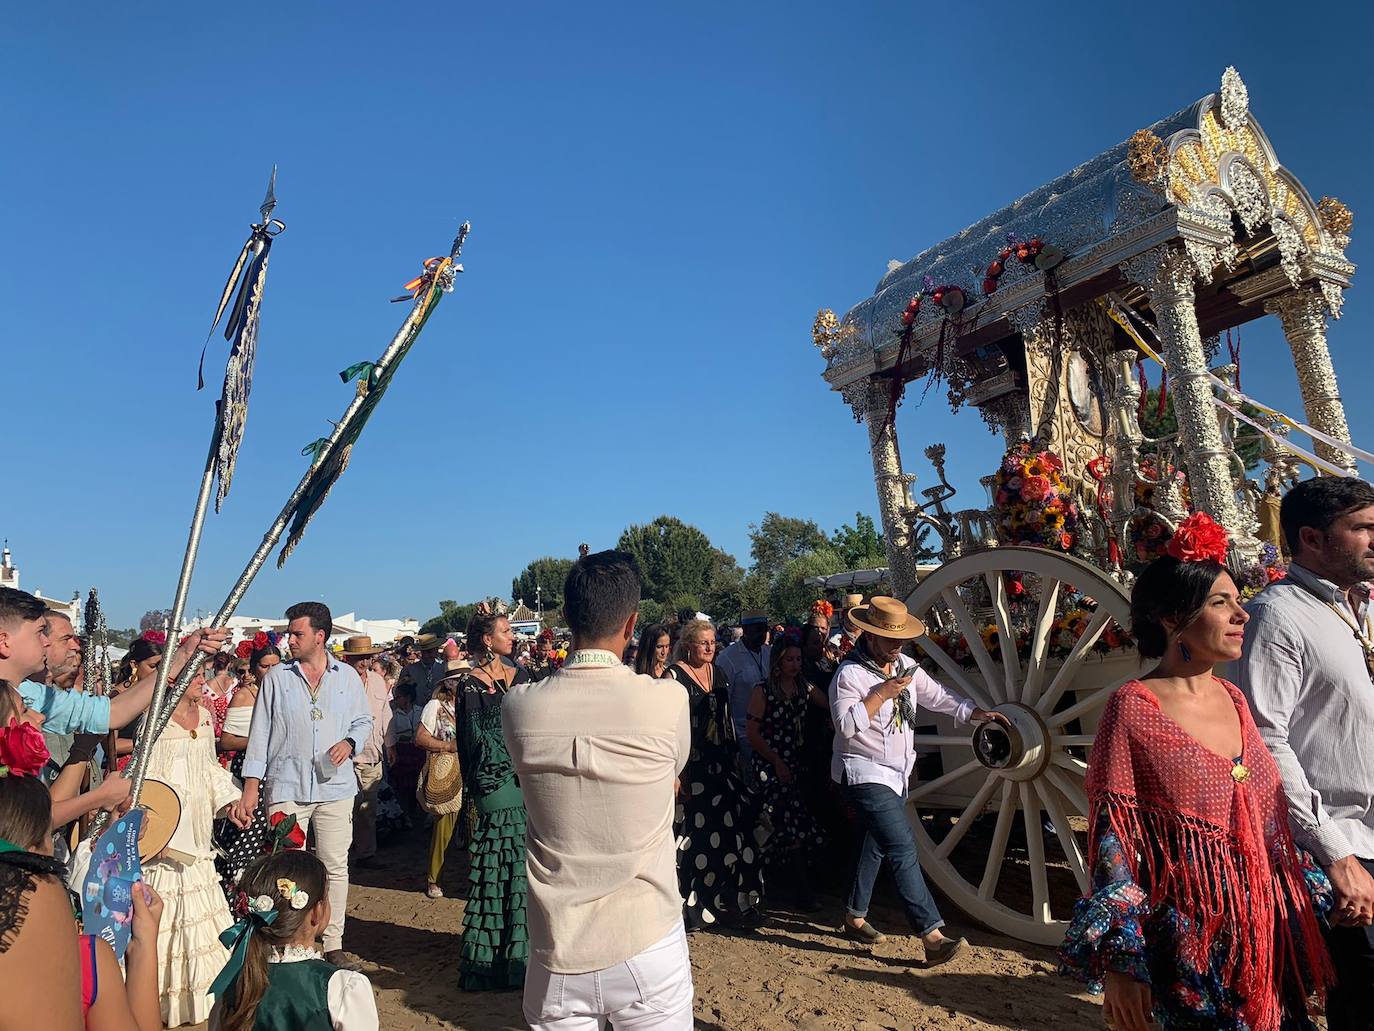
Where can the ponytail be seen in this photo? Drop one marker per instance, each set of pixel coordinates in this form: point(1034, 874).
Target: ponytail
point(241, 1006)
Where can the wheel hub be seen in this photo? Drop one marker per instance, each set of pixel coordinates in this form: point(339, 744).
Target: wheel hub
point(1018, 752)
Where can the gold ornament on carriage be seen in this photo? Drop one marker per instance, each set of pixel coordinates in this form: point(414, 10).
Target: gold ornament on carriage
point(1146, 156)
point(1336, 217)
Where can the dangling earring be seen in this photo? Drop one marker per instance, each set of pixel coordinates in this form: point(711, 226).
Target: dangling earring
point(1184, 652)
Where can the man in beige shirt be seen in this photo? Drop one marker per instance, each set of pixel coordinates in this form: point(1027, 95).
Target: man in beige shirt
point(597, 748)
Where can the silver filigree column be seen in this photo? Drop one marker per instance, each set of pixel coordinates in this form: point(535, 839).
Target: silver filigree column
point(893, 500)
point(1167, 274)
point(1303, 315)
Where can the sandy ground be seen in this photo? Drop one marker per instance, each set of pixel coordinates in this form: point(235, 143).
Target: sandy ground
point(795, 973)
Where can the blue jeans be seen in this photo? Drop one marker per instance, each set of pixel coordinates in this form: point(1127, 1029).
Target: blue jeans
point(889, 836)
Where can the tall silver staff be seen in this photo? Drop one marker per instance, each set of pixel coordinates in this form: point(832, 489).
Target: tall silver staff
point(249, 274)
point(95, 648)
point(330, 459)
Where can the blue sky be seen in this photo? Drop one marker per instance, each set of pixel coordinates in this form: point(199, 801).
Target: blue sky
point(661, 197)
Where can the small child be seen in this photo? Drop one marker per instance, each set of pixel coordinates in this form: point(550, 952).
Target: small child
point(275, 979)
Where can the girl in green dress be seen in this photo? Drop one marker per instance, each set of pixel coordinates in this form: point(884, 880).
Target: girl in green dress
point(495, 945)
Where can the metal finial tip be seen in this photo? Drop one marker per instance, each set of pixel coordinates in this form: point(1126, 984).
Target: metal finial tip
point(270, 201)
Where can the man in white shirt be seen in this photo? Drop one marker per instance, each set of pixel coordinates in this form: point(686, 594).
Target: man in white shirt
point(746, 664)
point(359, 652)
point(597, 748)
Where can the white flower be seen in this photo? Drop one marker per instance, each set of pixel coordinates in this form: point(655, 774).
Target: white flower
point(299, 899)
point(262, 905)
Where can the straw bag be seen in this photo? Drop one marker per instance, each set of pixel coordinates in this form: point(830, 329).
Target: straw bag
point(440, 790)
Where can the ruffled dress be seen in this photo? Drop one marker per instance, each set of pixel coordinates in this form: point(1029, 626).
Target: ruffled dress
point(235, 848)
point(496, 947)
point(194, 907)
point(794, 825)
point(719, 840)
point(1186, 865)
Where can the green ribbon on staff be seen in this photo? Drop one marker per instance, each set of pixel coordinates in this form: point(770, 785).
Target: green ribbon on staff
point(359, 370)
point(315, 447)
point(236, 940)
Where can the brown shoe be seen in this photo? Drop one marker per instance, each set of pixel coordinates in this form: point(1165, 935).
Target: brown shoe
point(944, 951)
point(864, 933)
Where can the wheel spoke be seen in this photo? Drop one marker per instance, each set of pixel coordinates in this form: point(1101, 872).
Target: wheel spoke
point(1035, 853)
point(930, 787)
point(966, 818)
point(1075, 766)
point(997, 850)
point(954, 671)
point(1066, 786)
point(943, 741)
point(1080, 651)
point(1083, 706)
point(1040, 645)
point(1067, 839)
point(1073, 740)
point(1001, 611)
point(973, 637)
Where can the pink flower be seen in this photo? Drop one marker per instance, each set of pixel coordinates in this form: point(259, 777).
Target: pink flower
point(1036, 488)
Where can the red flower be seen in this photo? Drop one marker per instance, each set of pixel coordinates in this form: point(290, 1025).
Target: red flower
point(1066, 540)
point(989, 285)
point(995, 269)
point(908, 317)
point(155, 636)
point(938, 296)
point(289, 834)
point(1275, 573)
point(245, 649)
point(22, 749)
point(260, 640)
point(1004, 253)
point(1036, 488)
point(1198, 538)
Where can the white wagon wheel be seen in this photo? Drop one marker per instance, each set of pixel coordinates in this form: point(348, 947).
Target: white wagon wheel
point(1036, 769)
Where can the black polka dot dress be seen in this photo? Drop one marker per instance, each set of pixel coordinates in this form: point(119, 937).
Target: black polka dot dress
point(719, 868)
point(794, 825)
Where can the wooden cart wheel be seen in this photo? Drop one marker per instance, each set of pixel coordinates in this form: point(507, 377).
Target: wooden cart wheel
point(998, 871)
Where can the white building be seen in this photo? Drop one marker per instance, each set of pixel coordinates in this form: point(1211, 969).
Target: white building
point(382, 631)
point(9, 577)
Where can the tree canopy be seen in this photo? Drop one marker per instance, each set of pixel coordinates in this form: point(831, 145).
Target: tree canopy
point(543, 577)
point(674, 558)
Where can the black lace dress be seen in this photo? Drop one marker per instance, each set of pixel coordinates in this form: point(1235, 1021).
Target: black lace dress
point(719, 840)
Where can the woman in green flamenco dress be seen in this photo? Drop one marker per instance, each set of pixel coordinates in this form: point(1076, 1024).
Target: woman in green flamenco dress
point(495, 946)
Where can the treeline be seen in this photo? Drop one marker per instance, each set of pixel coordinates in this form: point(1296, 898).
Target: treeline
point(683, 570)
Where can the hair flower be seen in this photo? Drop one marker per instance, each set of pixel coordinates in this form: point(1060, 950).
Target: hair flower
point(299, 899)
point(1199, 538)
point(262, 905)
point(23, 750)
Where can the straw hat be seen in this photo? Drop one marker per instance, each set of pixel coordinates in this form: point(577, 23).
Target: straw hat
point(455, 668)
point(887, 617)
point(429, 642)
point(360, 645)
point(851, 602)
point(162, 813)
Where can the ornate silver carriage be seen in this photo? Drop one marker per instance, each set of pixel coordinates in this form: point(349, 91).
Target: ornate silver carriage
point(1152, 249)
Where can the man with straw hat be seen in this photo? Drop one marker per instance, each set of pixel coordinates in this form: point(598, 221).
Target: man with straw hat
point(873, 701)
point(360, 653)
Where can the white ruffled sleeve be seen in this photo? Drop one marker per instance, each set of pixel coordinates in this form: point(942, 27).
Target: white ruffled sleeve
point(352, 1006)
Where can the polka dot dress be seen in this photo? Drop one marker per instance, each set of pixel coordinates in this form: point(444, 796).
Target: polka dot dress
point(718, 838)
point(794, 825)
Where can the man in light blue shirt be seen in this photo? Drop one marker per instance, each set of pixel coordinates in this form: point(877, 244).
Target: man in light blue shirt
point(309, 721)
point(23, 653)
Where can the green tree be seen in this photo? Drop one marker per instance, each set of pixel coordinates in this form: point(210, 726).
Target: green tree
point(775, 539)
point(674, 558)
point(723, 596)
point(1249, 442)
point(545, 577)
point(859, 546)
point(790, 597)
point(452, 618)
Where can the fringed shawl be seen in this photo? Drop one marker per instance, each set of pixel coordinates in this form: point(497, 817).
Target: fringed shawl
point(1215, 848)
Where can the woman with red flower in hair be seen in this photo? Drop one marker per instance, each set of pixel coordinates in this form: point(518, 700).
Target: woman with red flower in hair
point(1203, 912)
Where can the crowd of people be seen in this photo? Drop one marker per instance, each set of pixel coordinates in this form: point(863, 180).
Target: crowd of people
point(620, 787)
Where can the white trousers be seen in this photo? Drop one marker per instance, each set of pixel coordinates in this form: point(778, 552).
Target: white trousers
point(651, 991)
point(333, 823)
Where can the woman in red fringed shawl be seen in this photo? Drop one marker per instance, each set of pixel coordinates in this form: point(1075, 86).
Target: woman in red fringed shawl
point(1204, 914)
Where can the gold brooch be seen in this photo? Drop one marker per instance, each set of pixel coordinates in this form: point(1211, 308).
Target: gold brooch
point(1240, 773)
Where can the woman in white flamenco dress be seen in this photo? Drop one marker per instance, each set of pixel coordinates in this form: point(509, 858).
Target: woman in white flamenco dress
point(195, 912)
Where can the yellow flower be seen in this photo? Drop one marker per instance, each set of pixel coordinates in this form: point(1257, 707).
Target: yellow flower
point(285, 888)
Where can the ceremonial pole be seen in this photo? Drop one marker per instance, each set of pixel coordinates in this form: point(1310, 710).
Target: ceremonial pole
point(250, 273)
point(331, 457)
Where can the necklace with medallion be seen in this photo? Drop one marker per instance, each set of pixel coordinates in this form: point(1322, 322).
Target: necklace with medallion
point(316, 713)
point(1363, 634)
